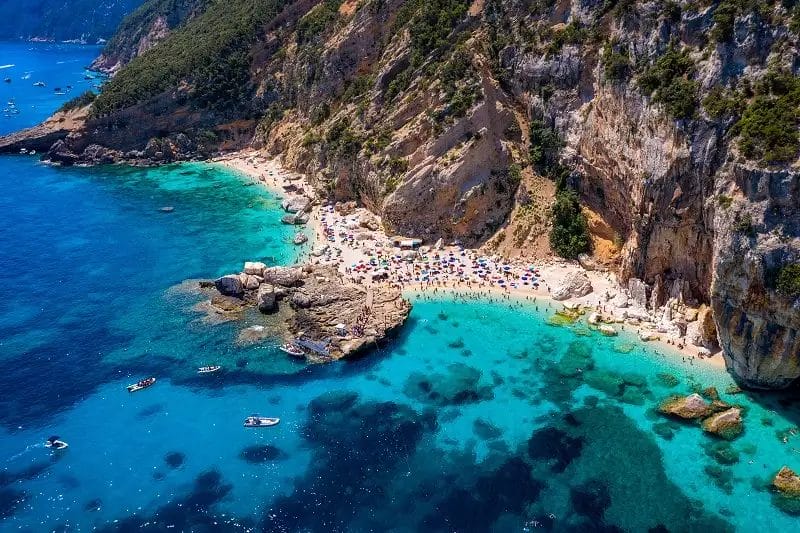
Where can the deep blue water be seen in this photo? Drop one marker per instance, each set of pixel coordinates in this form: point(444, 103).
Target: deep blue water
point(56, 65)
point(474, 419)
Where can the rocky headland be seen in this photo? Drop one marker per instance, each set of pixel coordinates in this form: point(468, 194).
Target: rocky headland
point(314, 303)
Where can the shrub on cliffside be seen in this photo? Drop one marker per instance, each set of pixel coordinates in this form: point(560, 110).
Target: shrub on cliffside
point(569, 236)
point(768, 127)
point(668, 82)
point(788, 282)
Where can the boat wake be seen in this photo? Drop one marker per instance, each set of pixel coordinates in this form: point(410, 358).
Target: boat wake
point(6, 66)
point(28, 448)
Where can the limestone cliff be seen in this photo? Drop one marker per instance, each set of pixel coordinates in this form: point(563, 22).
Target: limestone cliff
point(675, 122)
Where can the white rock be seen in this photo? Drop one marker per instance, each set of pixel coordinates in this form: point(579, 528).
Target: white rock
point(607, 330)
point(647, 335)
point(594, 319)
point(620, 300)
point(296, 204)
point(266, 298)
point(250, 282)
point(574, 285)
point(638, 292)
point(254, 268)
point(694, 335)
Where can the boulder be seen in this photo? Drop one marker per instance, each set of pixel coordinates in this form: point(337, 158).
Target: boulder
point(787, 482)
point(708, 330)
point(284, 276)
point(300, 238)
point(266, 298)
point(367, 220)
point(647, 335)
point(230, 285)
point(693, 334)
point(254, 268)
point(607, 330)
point(727, 424)
point(620, 300)
point(249, 282)
point(574, 285)
point(595, 318)
point(638, 292)
point(296, 204)
point(686, 407)
point(586, 261)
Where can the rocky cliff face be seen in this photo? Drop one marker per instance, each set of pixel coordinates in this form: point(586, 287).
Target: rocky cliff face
point(142, 29)
point(675, 122)
point(759, 328)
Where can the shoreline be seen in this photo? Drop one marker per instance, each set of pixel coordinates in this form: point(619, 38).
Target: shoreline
point(269, 173)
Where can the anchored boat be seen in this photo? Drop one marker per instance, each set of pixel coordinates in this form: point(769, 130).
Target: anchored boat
point(208, 369)
point(55, 443)
point(143, 384)
point(292, 350)
point(255, 421)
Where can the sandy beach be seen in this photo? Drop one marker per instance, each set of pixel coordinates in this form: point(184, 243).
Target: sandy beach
point(352, 239)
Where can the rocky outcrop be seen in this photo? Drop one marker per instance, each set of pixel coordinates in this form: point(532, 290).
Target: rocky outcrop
point(686, 407)
point(283, 276)
point(230, 285)
point(573, 285)
point(312, 301)
point(266, 298)
point(787, 482)
point(758, 328)
point(727, 424)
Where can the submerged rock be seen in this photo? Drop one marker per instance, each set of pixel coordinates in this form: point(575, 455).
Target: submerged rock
point(686, 407)
point(727, 424)
point(787, 482)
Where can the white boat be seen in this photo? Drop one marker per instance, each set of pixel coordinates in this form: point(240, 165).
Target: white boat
point(143, 384)
point(292, 350)
point(55, 443)
point(208, 369)
point(39, 84)
point(255, 421)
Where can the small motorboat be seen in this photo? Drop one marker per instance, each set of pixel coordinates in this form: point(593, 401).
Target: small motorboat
point(39, 84)
point(55, 443)
point(208, 369)
point(7, 80)
point(143, 384)
point(255, 421)
point(292, 350)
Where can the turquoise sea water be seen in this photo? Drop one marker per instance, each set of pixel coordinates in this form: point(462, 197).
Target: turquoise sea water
point(478, 417)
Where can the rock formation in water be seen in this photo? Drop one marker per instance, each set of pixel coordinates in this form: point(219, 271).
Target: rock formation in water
point(675, 123)
point(317, 300)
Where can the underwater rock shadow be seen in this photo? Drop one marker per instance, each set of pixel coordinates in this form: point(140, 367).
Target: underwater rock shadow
point(190, 512)
point(359, 448)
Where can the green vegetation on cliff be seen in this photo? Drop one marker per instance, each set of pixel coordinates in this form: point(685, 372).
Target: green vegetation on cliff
point(768, 127)
point(79, 101)
point(136, 26)
point(788, 282)
point(317, 20)
point(211, 53)
point(668, 82)
point(569, 236)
